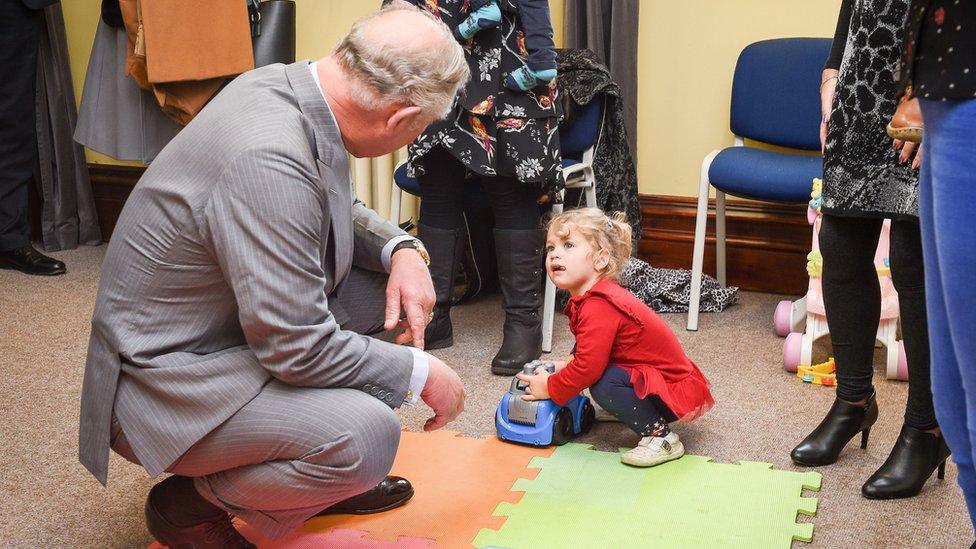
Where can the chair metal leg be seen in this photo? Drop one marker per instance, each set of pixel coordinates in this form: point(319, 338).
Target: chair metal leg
point(549, 300)
point(720, 237)
point(591, 192)
point(395, 198)
point(698, 257)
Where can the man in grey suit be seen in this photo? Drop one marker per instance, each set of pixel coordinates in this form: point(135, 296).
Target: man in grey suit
point(227, 343)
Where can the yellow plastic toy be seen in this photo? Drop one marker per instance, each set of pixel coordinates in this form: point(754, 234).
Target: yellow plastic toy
point(819, 374)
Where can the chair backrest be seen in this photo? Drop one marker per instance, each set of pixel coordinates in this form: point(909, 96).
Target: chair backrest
point(775, 92)
point(404, 181)
point(582, 132)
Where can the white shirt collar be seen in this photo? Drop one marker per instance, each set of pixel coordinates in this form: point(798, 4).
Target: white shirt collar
point(318, 84)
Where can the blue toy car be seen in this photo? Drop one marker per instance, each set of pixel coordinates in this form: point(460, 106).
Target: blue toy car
point(541, 422)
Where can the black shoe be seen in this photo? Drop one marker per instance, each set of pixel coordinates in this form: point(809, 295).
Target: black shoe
point(843, 421)
point(913, 459)
point(30, 261)
point(442, 245)
point(214, 531)
point(391, 492)
point(520, 268)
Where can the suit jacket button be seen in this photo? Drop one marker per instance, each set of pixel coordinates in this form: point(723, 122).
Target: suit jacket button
point(381, 394)
point(389, 398)
point(367, 387)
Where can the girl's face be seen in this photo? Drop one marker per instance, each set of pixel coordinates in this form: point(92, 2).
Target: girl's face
point(572, 262)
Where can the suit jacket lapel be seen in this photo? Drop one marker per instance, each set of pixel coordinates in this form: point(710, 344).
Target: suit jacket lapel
point(333, 168)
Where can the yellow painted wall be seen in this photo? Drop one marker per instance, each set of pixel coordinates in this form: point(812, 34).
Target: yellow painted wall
point(687, 51)
point(320, 25)
point(686, 55)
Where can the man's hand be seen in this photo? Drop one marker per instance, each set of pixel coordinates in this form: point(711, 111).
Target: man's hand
point(538, 388)
point(444, 393)
point(410, 290)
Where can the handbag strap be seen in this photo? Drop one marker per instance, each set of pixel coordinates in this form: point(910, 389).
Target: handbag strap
point(254, 15)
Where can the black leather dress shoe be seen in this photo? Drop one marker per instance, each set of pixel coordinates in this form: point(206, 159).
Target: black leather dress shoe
point(30, 261)
point(390, 493)
point(913, 459)
point(842, 423)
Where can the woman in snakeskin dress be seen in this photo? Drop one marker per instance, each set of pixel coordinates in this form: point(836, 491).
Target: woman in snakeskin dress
point(865, 181)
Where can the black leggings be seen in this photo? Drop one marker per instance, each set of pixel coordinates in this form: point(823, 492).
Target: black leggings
point(852, 299)
point(444, 182)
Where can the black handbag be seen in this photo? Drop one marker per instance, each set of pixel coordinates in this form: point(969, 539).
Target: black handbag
point(272, 31)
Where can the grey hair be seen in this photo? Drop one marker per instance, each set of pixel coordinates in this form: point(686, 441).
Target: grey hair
point(426, 75)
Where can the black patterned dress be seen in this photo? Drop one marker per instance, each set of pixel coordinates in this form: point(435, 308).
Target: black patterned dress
point(492, 130)
point(862, 176)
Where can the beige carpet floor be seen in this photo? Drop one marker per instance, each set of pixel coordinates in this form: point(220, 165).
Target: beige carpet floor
point(48, 500)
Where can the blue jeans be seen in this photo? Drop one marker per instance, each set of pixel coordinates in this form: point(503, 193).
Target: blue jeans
point(947, 202)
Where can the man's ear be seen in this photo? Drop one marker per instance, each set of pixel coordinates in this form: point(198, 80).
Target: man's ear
point(403, 116)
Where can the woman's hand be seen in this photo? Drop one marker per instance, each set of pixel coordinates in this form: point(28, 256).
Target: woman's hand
point(906, 148)
point(828, 84)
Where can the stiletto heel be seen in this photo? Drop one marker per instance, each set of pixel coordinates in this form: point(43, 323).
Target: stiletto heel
point(841, 424)
point(916, 455)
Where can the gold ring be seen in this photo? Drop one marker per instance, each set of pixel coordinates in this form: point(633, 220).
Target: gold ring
point(430, 316)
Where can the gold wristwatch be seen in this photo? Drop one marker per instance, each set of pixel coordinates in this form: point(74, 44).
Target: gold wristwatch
point(416, 245)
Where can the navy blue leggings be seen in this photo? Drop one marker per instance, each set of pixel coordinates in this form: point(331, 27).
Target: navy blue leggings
point(615, 393)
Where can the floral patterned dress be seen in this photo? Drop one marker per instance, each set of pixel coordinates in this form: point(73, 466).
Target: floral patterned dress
point(492, 130)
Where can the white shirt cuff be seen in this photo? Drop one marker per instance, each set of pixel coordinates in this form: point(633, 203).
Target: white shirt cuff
point(387, 254)
point(418, 379)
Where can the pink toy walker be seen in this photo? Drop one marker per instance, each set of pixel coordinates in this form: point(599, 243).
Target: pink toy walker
point(804, 321)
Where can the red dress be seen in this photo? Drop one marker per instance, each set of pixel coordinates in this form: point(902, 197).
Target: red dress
point(613, 327)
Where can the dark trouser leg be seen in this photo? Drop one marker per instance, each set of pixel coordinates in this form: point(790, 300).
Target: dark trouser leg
point(852, 299)
point(19, 31)
point(908, 276)
point(615, 394)
point(519, 243)
point(439, 228)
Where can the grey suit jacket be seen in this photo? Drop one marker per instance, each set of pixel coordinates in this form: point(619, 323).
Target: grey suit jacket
point(217, 276)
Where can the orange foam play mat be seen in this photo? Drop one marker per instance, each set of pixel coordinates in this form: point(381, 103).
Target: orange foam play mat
point(458, 483)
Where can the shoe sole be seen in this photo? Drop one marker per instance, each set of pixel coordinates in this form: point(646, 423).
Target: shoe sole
point(15, 268)
point(393, 505)
point(623, 459)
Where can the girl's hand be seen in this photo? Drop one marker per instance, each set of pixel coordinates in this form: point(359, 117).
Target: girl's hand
point(538, 388)
point(828, 84)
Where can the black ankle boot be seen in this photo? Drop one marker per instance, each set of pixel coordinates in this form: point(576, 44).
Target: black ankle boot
point(442, 246)
point(520, 267)
point(843, 421)
point(913, 459)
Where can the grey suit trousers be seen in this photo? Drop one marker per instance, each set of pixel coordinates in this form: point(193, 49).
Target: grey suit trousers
point(293, 451)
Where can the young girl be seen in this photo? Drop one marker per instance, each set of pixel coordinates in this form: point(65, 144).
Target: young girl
point(627, 356)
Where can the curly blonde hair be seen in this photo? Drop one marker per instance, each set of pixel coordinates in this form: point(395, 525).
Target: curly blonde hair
point(602, 231)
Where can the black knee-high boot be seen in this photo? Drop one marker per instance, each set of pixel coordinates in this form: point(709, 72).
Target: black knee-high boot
point(442, 246)
point(520, 268)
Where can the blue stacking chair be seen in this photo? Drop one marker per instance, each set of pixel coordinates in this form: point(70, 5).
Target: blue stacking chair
point(775, 100)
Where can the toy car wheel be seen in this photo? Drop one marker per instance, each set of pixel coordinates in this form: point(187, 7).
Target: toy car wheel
point(588, 418)
point(791, 351)
point(782, 318)
point(562, 428)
